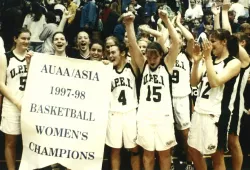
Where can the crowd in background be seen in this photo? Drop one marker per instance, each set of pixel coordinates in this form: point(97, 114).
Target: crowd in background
point(83, 23)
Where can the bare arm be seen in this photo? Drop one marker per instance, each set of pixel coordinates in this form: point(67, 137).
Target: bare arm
point(231, 70)
point(161, 36)
point(133, 46)
point(5, 91)
point(65, 17)
point(175, 43)
point(243, 57)
point(187, 34)
point(225, 21)
point(197, 70)
point(216, 11)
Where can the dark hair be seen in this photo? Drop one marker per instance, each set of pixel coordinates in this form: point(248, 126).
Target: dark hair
point(243, 37)
point(232, 40)
point(207, 22)
point(17, 34)
point(121, 46)
point(207, 12)
point(232, 12)
point(155, 46)
point(20, 31)
point(36, 9)
point(58, 32)
point(97, 42)
point(50, 17)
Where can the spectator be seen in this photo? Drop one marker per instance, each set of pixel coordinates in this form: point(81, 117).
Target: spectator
point(150, 7)
point(88, 17)
point(35, 22)
point(47, 33)
point(71, 7)
point(111, 21)
point(194, 11)
point(138, 8)
point(238, 8)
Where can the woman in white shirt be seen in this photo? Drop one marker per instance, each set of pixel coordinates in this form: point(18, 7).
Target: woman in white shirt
point(35, 22)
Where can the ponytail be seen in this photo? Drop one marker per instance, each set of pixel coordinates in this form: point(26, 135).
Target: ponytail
point(233, 45)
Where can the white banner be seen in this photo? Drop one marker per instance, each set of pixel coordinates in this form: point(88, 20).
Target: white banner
point(64, 113)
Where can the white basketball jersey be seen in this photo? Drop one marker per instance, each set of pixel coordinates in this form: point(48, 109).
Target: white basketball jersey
point(15, 81)
point(123, 90)
point(155, 103)
point(215, 100)
point(181, 76)
point(239, 104)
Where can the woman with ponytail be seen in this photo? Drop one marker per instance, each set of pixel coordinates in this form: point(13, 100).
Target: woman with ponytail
point(217, 93)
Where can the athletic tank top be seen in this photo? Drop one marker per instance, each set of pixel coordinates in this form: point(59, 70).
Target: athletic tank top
point(15, 81)
point(123, 90)
point(181, 76)
point(239, 103)
point(155, 103)
point(215, 100)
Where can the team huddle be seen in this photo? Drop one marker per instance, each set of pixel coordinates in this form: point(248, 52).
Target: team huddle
point(151, 91)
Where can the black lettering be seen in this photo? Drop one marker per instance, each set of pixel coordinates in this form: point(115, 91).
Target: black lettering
point(84, 74)
point(59, 71)
point(84, 136)
point(75, 156)
point(49, 131)
point(156, 79)
point(77, 75)
point(33, 107)
point(62, 152)
point(84, 155)
point(31, 143)
point(116, 82)
point(122, 81)
point(44, 152)
point(66, 133)
point(39, 129)
point(96, 77)
point(51, 70)
point(44, 69)
point(12, 73)
point(91, 156)
point(145, 79)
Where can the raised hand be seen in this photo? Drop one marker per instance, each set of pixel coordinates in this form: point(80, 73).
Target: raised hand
point(128, 17)
point(66, 14)
point(178, 18)
point(163, 14)
point(226, 5)
point(197, 55)
point(215, 9)
point(206, 48)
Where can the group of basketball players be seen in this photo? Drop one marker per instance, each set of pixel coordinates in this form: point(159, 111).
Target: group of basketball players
point(146, 116)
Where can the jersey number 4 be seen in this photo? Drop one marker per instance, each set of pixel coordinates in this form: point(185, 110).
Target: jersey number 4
point(22, 83)
point(156, 94)
point(122, 98)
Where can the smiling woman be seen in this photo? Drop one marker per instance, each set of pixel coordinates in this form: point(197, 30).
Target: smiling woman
point(12, 87)
point(59, 43)
point(96, 50)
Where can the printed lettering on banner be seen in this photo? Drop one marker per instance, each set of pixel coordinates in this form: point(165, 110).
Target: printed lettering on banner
point(64, 113)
